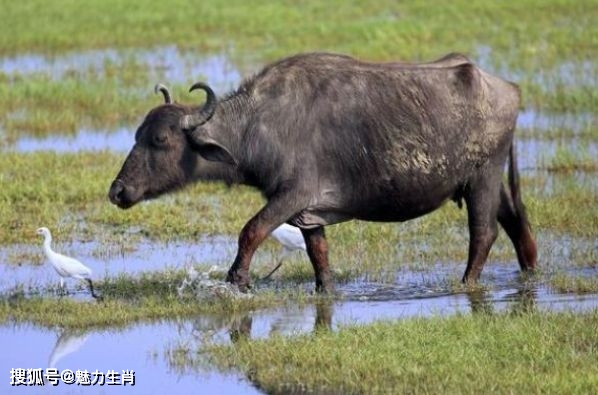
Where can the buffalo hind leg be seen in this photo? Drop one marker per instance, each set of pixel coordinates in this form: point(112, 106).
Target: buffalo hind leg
point(482, 205)
point(317, 249)
point(514, 221)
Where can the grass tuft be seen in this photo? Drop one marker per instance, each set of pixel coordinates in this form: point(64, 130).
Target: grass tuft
point(459, 354)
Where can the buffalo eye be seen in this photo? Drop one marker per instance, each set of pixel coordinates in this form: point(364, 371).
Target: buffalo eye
point(159, 139)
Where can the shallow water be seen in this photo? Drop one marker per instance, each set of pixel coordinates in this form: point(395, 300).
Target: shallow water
point(112, 260)
point(171, 65)
point(152, 350)
point(567, 73)
point(20, 264)
point(532, 119)
point(120, 140)
point(139, 348)
point(533, 154)
point(167, 64)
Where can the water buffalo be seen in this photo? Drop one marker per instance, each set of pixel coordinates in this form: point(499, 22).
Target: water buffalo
point(327, 138)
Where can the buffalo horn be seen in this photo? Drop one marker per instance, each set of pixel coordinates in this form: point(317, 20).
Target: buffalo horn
point(165, 92)
point(205, 113)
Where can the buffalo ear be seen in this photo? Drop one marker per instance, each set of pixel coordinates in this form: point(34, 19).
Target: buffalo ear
point(210, 149)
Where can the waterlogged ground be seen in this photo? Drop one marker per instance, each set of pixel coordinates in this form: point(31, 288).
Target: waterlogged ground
point(25, 265)
point(85, 101)
point(166, 63)
point(169, 65)
point(166, 355)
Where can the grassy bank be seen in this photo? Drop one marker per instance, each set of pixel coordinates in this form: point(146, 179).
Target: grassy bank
point(521, 353)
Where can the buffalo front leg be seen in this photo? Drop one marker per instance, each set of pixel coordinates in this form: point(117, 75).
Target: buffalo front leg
point(253, 234)
point(317, 249)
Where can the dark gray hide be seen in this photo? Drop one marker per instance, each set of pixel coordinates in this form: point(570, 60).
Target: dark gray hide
point(328, 138)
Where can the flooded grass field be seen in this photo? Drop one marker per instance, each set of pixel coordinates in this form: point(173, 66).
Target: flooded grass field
point(172, 350)
point(70, 101)
point(167, 352)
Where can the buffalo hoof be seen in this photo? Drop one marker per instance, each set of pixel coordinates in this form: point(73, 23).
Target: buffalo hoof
point(324, 284)
point(240, 279)
point(325, 289)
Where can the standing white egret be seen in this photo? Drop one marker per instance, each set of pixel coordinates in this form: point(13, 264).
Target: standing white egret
point(291, 239)
point(64, 265)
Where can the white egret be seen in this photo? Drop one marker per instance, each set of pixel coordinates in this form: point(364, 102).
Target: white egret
point(64, 265)
point(291, 239)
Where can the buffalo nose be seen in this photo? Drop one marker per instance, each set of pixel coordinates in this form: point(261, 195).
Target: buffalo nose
point(116, 192)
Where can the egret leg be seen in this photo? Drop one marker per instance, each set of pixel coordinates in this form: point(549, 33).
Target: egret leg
point(93, 294)
point(284, 254)
point(273, 270)
point(182, 287)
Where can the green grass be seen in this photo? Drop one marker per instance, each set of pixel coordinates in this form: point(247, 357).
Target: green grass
point(126, 300)
point(573, 284)
point(464, 354)
point(69, 193)
point(573, 159)
point(271, 29)
point(529, 41)
point(40, 190)
point(38, 105)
